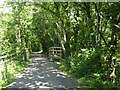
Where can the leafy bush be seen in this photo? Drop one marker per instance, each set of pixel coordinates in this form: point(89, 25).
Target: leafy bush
point(10, 70)
point(86, 61)
point(90, 67)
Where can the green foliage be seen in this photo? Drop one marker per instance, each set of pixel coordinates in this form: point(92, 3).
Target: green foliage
point(10, 70)
point(94, 81)
point(87, 67)
point(86, 61)
point(89, 34)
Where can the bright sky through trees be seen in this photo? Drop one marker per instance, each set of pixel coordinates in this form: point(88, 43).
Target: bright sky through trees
point(1, 1)
point(3, 9)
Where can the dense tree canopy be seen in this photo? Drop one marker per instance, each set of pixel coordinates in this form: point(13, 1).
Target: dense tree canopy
point(89, 34)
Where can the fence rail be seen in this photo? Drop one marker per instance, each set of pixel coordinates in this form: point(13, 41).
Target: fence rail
point(25, 51)
point(7, 59)
point(55, 52)
point(7, 56)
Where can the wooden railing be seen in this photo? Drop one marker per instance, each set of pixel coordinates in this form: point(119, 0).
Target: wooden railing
point(55, 52)
point(8, 56)
point(6, 59)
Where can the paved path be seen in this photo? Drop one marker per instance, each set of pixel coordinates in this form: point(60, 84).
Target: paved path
point(41, 73)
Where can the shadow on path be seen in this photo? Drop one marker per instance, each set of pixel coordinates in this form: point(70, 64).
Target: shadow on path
point(41, 73)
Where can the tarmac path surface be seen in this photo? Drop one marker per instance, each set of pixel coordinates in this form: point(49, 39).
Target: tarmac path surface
point(41, 73)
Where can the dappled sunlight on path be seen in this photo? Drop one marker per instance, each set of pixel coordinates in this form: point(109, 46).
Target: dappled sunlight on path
point(41, 73)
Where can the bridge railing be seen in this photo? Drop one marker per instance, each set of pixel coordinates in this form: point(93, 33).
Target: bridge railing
point(55, 52)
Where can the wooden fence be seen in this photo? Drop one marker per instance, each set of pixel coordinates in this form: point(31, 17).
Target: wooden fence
point(55, 52)
point(4, 60)
point(24, 53)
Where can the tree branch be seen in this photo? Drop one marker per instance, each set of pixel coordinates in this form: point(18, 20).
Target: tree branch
point(99, 25)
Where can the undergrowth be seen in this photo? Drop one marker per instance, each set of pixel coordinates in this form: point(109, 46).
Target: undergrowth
point(9, 71)
point(88, 67)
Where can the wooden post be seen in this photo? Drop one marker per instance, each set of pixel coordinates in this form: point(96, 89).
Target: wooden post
point(25, 54)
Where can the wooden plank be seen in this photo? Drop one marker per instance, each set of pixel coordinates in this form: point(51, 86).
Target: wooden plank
point(55, 47)
point(59, 51)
